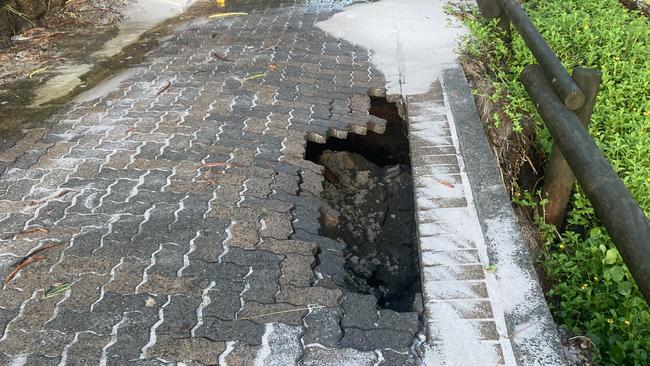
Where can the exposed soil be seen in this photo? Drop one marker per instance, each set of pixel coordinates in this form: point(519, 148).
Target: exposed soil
point(369, 183)
point(377, 223)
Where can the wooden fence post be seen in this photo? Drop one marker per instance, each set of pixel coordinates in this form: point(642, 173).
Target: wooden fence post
point(559, 177)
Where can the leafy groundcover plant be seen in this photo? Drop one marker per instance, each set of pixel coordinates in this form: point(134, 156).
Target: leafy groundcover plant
point(591, 291)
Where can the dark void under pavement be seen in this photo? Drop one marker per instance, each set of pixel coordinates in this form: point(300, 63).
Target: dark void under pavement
point(368, 181)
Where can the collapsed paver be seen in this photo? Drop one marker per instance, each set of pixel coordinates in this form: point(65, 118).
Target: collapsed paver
point(188, 219)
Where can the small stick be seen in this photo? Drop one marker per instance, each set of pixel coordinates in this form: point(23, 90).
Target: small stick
point(282, 312)
point(29, 230)
point(61, 194)
point(269, 47)
point(165, 87)
point(222, 58)
point(35, 229)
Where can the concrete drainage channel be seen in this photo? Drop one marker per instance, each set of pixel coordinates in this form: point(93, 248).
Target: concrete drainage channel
point(368, 192)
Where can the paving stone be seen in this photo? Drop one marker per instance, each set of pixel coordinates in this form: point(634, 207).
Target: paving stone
point(201, 350)
point(323, 327)
point(360, 311)
point(297, 270)
point(87, 350)
point(71, 322)
point(317, 356)
point(239, 330)
point(368, 340)
point(404, 322)
point(242, 354)
point(225, 300)
point(309, 296)
point(398, 358)
point(179, 316)
point(46, 343)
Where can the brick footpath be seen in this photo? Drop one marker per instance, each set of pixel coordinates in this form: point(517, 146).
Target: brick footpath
point(187, 222)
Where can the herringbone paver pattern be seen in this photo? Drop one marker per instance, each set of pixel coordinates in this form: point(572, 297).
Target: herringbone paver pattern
point(188, 221)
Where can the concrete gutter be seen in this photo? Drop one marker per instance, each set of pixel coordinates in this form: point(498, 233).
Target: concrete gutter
point(531, 329)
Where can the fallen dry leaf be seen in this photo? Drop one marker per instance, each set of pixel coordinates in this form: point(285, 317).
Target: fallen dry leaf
point(263, 48)
point(37, 71)
point(56, 289)
point(330, 176)
point(215, 164)
point(254, 76)
point(221, 15)
point(445, 183)
point(21, 265)
point(35, 229)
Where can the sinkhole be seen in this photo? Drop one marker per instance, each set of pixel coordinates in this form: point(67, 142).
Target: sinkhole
point(368, 181)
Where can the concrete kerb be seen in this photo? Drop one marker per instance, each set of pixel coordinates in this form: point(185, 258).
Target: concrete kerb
point(531, 329)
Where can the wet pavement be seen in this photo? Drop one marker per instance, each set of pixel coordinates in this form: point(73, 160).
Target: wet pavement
point(186, 221)
point(175, 219)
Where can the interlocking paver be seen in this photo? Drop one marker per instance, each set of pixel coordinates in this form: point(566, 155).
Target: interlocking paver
point(189, 221)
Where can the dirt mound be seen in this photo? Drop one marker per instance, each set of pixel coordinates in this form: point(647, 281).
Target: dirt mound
point(377, 223)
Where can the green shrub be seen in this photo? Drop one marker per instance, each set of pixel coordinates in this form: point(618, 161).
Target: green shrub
point(592, 291)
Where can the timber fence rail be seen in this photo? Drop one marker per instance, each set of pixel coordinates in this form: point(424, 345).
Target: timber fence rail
point(565, 104)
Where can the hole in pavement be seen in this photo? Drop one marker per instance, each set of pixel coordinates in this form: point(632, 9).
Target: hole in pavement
point(368, 181)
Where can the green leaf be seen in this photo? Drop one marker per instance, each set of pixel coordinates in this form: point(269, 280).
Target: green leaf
point(625, 288)
point(595, 233)
point(254, 76)
point(491, 268)
point(56, 289)
point(617, 273)
point(610, 256)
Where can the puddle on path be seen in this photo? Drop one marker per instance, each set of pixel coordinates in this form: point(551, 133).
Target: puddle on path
point(102, 53)
point(411, 40)
point(107, 85)
point(68, 78)
point(139, 18)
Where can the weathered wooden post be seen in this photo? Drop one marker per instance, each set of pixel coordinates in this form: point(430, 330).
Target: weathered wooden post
point(559, 179)
point(615, 207)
